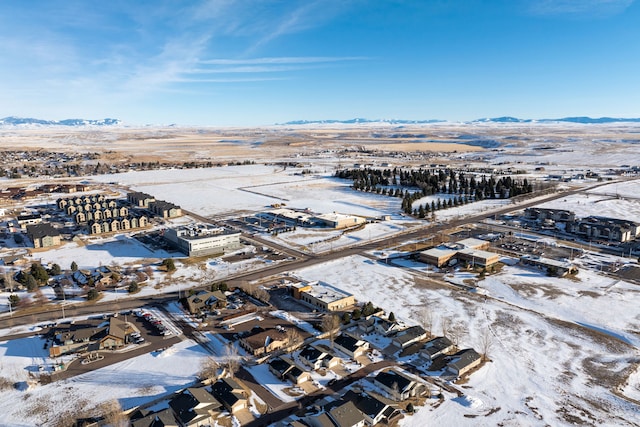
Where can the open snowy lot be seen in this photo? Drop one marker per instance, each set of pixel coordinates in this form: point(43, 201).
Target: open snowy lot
point(135, 381)
point(616, 201)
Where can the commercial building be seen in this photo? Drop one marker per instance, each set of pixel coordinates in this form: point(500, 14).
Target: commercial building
point(322, 296)
point(337, 221)
point(202, 239)
point(468, 250)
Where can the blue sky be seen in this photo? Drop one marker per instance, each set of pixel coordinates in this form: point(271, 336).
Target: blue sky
point(259, 62)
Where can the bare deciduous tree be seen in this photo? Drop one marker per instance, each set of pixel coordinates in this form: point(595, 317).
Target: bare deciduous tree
point(231, 359)
point(426, 318)
point(293, 336)
point(112, 413)
point(330, 325)
point(486, 342)
point(209, 368)
point(456, 332)
point(445, 325)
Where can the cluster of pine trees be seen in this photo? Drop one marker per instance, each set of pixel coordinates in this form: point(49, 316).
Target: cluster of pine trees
point(463, 187)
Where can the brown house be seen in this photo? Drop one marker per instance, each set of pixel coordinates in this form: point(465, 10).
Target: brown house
point(263, 341)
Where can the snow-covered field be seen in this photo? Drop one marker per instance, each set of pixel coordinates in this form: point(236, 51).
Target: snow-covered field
point(603, 202)
point(555, 358)
point(132, 382)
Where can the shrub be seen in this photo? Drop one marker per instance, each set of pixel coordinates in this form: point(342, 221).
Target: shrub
point(133, 287)
point(92, 294)
point(169, 264)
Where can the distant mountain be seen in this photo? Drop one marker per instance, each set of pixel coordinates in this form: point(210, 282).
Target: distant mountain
point(505, 119)
point(360, 120)
point(22, 121)
point(583, 120)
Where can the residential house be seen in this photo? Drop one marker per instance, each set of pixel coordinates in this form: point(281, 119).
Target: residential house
point(320, 420)
point(141, 200)
point(437, 347)
point(386, 327)
point(163, 418)
point(463, 361)
point(195, 407)
point(351, 346)
point(280, 366)
point(260, 341)
point(205, 301)
point(43, 235)
point(297, 375)
point(397, 386)
point(317, 358)
point(232, 396)
point(374, 410)
point(28, 219)
point(165, 209)
point(409, 336)
point(346, 414)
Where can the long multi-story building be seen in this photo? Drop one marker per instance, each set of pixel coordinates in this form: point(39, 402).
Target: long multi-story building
point(202, 239)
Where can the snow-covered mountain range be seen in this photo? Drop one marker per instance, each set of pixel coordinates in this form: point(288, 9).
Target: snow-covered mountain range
point(506, 119)
point(31, 122)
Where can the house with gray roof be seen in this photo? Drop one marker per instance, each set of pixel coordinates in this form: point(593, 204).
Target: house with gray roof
point(374, 410)
point(413, 334)
point(351, 346)
point(437, 347)
point(347, 415)
point(232, 396)
point(195, 406)
point(398, 386)
point(463, 361)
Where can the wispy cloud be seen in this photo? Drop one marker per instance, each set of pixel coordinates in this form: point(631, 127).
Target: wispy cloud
point(282, 60)
point(587, 8)
point(258, 66)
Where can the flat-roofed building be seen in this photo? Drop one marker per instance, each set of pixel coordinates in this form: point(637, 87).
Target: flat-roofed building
point(470, 250)
point(289, 217)
point(478, 257)
point(552, 266)
point(472, 243)
point(438, 256)
point(337, 221)
point(322, 296)
point(28, 219)
point(203, 239)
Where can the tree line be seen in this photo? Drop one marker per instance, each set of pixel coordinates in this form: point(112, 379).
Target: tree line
point(414, 184)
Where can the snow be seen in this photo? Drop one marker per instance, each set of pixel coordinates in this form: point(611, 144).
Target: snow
point(535, 334)
point(269, 381)
point(304, 325)
point(132, 382)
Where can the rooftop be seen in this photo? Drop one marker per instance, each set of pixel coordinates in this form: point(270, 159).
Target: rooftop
point(326, 293)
